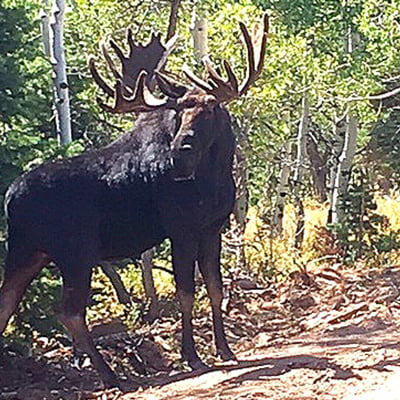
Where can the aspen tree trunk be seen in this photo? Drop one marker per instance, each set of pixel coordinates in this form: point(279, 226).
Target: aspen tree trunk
point(340, 128)
point(282, 190)
point(47, 46)
point(199, 36)
point(240, 175)
point(318, 168)
point(57, 59)
point(148, 283)
point(45, 28)
point(343, 169)
point(345, 160)
point(299, 170)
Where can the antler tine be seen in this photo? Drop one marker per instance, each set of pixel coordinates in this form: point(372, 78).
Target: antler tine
point(98, 79)
point(142, 99)
point(169, 46)
point(196, 80)
point(231, 85)
point(227, 90)
point(254, 66)
point(263, 44)
point(231, 76)
point(118, 50)
point(109, 61)
point(213, 75)
point(215, 84)
point(129, 38)
point(250, 58)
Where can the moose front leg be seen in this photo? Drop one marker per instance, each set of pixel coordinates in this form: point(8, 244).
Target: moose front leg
point(184, 256)
point(209, 263)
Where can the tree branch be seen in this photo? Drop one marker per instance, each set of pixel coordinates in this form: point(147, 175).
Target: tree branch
point(382, 96)
point(173, 19)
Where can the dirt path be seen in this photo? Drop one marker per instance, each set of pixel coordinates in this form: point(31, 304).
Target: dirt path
point(332, 334)
point(341, 365)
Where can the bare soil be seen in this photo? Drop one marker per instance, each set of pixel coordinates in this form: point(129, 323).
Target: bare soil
point(327, 334)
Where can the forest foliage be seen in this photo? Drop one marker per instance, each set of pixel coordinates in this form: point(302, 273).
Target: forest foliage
point(308, 53)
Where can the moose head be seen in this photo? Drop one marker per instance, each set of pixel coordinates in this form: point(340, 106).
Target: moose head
point(197, 108)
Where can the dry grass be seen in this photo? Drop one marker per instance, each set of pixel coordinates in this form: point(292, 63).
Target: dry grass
point(389, 206)
point(278, 255)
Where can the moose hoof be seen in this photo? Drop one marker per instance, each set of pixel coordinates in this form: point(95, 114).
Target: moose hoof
point(226, 355)
point(108, 376)
point(111, 382)
point(197, 365)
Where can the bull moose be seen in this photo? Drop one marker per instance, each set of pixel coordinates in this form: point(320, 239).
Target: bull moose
point(169, 177)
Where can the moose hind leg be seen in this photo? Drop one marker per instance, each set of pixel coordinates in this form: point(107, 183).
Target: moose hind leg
point(75, 296)
point(209, 264)
point(19, 273)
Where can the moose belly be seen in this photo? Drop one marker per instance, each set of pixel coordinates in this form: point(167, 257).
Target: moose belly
point(129, 237)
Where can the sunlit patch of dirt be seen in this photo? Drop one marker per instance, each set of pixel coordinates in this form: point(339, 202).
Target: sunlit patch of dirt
point(327, 334)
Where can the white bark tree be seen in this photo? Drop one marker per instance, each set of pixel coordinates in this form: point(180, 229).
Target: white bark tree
point(240, 175)
point(339, 134)
point(282, 189)
point(199, 36)
point(57, 59)
point(301, 140)
point(343, 168)
point(301, 155)
point(148, 283)
point(341, 175)
point(318, 164)
point(45, 28)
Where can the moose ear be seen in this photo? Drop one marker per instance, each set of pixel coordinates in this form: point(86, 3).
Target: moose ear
point(170, 87)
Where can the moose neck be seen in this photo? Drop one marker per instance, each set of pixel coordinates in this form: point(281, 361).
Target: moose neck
point(149, 144)
point(215, 167)
point(222, 150)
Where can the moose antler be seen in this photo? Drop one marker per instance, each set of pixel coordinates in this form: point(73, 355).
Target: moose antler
point(138, 72)
point(227, 90)
point(141, 70)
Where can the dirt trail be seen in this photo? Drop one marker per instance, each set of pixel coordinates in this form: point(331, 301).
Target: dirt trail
point(344, 365)
point(330, 334)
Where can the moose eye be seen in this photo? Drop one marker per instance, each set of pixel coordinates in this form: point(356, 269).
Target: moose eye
point(190, 103)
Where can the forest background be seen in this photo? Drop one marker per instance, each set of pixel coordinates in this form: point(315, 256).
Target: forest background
point(318, 158)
